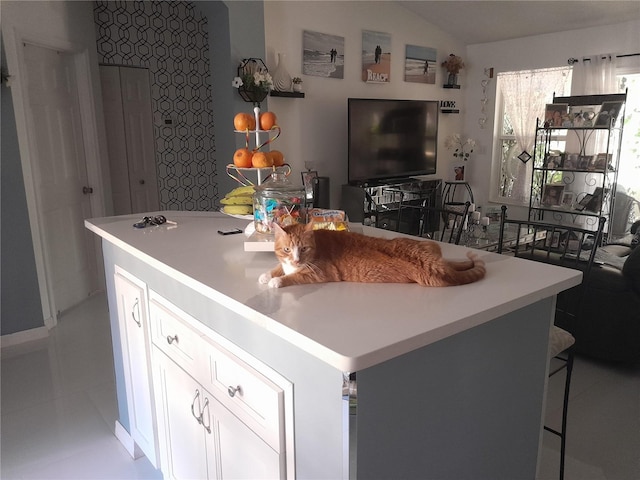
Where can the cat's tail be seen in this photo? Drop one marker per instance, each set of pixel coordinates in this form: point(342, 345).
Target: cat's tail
point(460, 273)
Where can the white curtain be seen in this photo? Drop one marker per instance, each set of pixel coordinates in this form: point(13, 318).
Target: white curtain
point(525, 94)
point(594, 75)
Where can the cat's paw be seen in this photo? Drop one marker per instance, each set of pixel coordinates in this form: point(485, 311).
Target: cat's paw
point(275, 282)
point(264, 278)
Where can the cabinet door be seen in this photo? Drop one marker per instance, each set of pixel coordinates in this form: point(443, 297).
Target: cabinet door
point(241, 452)
point(133, 324)
point(182, 436)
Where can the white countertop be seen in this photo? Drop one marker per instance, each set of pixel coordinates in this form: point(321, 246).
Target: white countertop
point(350, 326)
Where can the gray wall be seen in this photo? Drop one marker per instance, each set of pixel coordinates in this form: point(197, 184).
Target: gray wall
point(20, 307)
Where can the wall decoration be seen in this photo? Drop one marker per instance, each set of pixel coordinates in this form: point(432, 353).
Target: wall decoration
point(322, 54)
point(555, 114)
point(136, 34)
point(608, 114)
point(420, 64)
point(376, 57)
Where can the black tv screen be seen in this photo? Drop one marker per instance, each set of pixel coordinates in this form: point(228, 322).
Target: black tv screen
point(391, 138)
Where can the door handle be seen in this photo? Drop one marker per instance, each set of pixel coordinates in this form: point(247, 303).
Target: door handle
point(87, 190)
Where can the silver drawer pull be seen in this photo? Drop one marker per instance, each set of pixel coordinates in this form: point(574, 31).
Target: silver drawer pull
point(193, 408)
point(171, 339)
point(233, 390)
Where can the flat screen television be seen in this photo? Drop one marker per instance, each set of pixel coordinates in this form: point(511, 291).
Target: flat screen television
point(391, 139)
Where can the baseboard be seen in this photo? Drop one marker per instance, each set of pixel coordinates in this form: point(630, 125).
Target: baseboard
point(23, 337)
point(127, 442)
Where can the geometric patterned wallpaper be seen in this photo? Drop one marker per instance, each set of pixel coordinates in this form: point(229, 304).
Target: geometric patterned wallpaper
point(170, 39)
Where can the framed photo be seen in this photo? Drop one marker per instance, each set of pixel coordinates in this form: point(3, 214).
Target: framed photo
point(584, 161)
point(567, 199)
point(584, 201)
point(552, 194)
point(555, 114)
point(595, 202)
point(600, 162)
point(307, 182)
point(570, 161)
point(420, 64)
point(608, 114)
point(553, 241)
point(322, 54)
point(376, 57)
point(582, 116)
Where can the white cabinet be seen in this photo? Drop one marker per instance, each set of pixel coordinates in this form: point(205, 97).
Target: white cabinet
point(219, 418)
point(131, 296)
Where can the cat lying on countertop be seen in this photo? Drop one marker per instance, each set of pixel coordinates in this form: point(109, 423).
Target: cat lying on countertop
point(317, 256)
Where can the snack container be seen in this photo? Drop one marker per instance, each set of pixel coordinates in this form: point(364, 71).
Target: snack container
point(277, 200)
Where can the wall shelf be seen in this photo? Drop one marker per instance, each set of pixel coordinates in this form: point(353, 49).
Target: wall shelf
point(275, 93)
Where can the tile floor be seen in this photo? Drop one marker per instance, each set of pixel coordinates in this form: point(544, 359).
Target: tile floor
point(58, 411)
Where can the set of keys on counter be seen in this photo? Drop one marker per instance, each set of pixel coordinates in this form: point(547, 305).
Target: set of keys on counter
point(153, 221)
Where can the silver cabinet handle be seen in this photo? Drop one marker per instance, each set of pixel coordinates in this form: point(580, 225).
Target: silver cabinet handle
point(134, 309)
point(202, 416)
point(193, 409)
point(171, 339)
point(233, 390)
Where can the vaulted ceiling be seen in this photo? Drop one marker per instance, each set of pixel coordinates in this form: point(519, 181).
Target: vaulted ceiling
point(479, 21)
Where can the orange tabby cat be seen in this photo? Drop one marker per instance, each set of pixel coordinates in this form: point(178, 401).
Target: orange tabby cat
point(317, 256)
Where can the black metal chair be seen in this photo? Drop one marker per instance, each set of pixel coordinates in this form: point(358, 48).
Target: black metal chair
point(445, 223)
point(569, 246)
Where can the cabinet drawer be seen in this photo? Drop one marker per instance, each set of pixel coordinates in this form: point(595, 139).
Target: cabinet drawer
point(252, 397)
point(174, 337)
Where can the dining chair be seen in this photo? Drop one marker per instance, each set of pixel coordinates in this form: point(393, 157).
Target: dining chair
point(570, 246)
point(446, 223)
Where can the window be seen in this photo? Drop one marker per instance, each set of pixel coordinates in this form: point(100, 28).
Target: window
point(521, 99)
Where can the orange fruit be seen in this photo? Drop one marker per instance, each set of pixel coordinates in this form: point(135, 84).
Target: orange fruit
point(267, 120)
point(277, 157)
point(261, 160)
point(242, 158)
point(244, 121)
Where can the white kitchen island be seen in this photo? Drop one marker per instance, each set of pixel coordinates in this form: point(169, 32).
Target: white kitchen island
point(451, 381)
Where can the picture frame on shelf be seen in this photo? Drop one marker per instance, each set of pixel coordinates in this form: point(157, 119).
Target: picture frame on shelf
point(552, 194)
point(555, 114)
point(584, 161)
point(600, 162)
point(595, 203)
point(567, 199)
point(608, 114)
point(584, 201)
point(570, 161)
point(307, 182)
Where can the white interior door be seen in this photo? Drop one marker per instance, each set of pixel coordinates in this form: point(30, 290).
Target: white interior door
point(126, 94)
point(59, 174)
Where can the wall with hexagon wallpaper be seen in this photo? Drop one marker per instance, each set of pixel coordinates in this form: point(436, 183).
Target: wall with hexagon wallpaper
point(170, 39)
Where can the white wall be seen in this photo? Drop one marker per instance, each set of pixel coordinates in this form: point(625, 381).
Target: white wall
point(542, 51)
point(314, 129)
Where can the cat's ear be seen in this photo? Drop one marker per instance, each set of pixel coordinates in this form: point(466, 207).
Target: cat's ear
point(277, 229)
point(308, 227)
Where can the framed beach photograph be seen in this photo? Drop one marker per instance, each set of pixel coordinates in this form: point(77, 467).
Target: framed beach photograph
point(420, 64)
point(376, 57)
point(555, 114)
point(307, 183)
point(608, 114)
point(322, 54)
point(552, 194)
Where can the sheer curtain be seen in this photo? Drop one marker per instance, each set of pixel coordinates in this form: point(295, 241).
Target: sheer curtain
point(525, 95)
point(595, 75)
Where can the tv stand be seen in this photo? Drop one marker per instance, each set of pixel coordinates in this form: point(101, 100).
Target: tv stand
point(378, 203)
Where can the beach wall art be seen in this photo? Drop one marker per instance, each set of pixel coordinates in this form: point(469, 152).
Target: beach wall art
point(376, 57)
point(420, 64)
point(322, 54)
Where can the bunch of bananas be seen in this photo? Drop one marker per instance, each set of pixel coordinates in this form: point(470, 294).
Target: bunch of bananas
point(239, 201)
